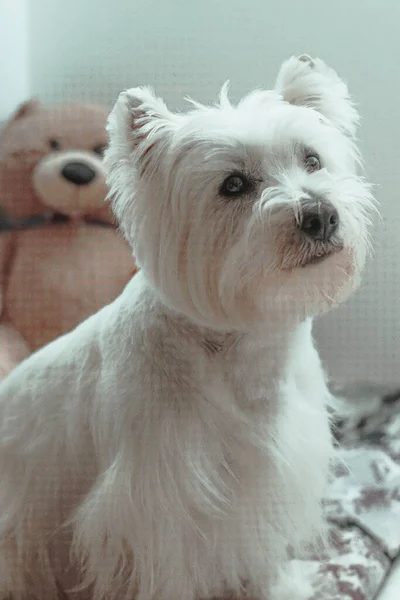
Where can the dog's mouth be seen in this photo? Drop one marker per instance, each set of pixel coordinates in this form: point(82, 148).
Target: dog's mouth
point(321, 256)
point(317, 259)
point(316, 256)
point(298, 253)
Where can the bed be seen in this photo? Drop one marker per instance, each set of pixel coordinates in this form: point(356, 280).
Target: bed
point(362, 505)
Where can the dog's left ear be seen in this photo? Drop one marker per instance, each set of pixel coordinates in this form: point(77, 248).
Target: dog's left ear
point(305, 81)
point(138, 121)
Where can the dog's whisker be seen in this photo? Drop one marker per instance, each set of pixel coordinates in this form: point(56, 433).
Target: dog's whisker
point(342, 270)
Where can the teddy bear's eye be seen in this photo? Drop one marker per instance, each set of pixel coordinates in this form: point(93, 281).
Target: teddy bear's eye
point(100, 149)
point(54, 144)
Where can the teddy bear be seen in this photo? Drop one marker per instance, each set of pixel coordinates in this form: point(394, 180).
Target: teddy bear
point(61, 255)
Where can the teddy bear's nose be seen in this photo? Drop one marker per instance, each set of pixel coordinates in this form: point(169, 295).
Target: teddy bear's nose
point(78, 173)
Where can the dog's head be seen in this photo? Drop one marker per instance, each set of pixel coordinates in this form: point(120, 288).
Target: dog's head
point(241, 213)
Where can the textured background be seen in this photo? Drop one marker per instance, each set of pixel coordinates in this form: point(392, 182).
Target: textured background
point(94, 48)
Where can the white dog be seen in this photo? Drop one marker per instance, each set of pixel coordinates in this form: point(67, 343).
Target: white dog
point(176, 444)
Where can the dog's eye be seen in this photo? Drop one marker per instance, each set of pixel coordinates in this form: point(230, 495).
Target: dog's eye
point(312, 163)
point(235, 185)
point(54, 144)
point(100, 149)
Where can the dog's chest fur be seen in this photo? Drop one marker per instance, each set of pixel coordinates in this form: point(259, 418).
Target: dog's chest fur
point(220, 448)
point(188, 461)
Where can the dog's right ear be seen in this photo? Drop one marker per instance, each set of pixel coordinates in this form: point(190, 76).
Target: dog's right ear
point(309, 82)
point(140, 129)
point(138, 122)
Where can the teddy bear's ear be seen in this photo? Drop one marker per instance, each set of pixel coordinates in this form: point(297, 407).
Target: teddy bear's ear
point(26, 109)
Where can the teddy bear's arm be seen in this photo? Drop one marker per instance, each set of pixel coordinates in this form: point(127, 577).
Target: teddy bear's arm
point(13, 348)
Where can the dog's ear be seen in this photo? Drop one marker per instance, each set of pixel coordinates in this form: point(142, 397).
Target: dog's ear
point(138, 121)
point(305, 81)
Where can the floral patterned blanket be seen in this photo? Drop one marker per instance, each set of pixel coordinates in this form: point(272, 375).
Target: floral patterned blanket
point(363, 500)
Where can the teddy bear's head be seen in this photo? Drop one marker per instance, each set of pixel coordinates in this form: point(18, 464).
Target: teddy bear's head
point(51, 161)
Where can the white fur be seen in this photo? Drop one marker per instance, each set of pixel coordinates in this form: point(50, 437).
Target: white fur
point(179, 438)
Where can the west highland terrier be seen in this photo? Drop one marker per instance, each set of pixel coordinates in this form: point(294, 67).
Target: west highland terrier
point(176, 444)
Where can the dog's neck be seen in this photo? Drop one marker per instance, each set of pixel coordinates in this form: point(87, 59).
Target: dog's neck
point(272, 347)
point(276, 331)
point(254, 364)
point(266, 352)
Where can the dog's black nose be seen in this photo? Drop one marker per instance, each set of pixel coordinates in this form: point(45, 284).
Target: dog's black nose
point(319, 221)
point(78, 173)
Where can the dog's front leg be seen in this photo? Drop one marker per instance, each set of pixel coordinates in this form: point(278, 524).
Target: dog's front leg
point(46, 461)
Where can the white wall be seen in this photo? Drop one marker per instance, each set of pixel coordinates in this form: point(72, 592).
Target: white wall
point(94, 48)
point(14, 73)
